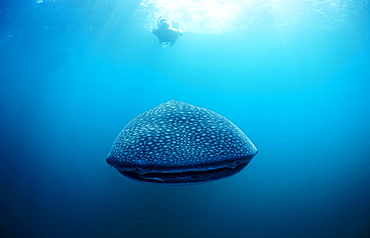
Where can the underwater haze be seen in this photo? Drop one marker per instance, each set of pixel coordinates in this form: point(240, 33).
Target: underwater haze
point(293, 75)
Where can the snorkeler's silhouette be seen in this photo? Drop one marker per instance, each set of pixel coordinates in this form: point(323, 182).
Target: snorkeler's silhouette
point(165, 33)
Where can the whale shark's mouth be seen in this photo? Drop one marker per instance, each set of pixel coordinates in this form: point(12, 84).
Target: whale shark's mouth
point(185, 177)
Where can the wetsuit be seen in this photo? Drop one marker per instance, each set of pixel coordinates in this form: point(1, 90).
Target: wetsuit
point(169, 35)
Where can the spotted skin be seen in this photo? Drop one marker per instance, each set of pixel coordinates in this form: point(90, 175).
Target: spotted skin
point(176, 142)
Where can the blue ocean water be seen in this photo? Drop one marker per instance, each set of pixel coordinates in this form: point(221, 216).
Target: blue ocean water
point(293, 75)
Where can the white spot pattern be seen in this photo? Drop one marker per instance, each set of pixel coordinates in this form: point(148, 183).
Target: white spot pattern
point(177, 134)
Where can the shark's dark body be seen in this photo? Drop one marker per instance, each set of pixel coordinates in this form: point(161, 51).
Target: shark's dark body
point(176, 142)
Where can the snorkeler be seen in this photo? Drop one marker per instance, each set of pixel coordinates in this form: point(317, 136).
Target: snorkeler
point(165, 33)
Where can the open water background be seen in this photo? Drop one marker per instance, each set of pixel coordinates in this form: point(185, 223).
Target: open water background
point(73, 73)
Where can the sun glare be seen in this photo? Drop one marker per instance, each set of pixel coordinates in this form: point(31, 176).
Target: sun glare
point(219, 16)
point(198, 16)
